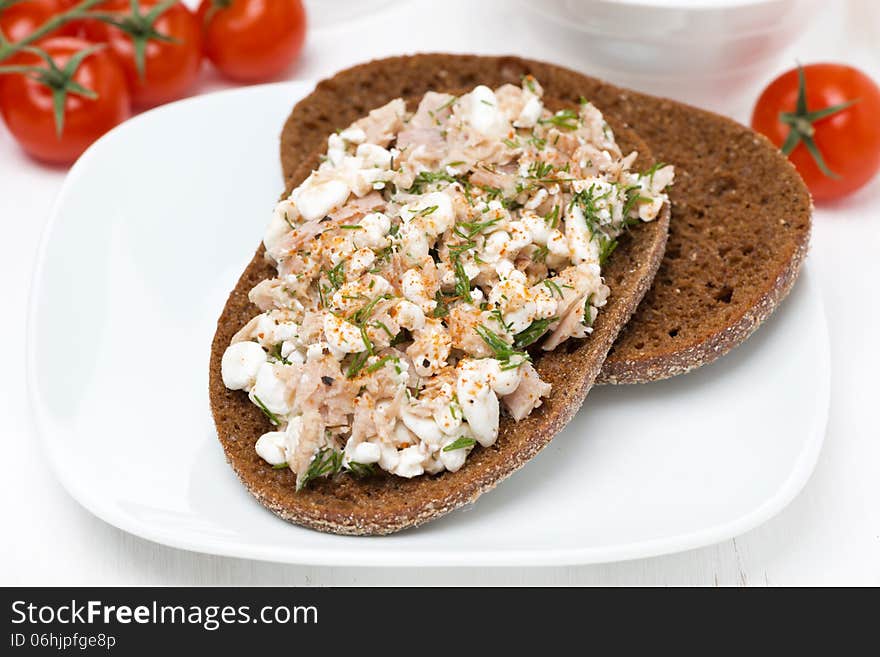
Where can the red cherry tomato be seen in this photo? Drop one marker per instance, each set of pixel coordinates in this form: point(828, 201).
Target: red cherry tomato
point(22, 18)
point(251, 40)
point(79, 28)
point(848, 140)
point(171, 68)
point(28, 109)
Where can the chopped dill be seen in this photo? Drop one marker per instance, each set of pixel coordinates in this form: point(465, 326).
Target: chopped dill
point(336, 276)
point(449, 103)
point(552, 217)
point(588, 311)
point(462, 281)
point(326, 462)
point(361, 470)
point(606, 248)
point(441, 309)
point(363, 313)
point(379, 364)
point(273, 419)
point(567, 119)
point(427, 211)
point(276, 354)
point(533, 332)
point(553, 286)
point(540, 252)
point(460, 443)
point(500, 349)
point(357, 364)
point(426, 178)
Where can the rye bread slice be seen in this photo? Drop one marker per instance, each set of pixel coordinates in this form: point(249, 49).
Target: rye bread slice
point(740, 212)
point(384, 504)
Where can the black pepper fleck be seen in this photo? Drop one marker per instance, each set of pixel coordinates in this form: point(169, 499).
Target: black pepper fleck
point(328, 380)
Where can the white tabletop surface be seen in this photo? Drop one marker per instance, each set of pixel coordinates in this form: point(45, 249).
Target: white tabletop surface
point(830, 534)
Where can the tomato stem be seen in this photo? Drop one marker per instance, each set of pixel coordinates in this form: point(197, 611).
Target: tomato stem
point(138, 25)
point(61, 82)
point(6, 70)
point(216, 5)
point(140, 28)
point(7, 48)
point(801, 128)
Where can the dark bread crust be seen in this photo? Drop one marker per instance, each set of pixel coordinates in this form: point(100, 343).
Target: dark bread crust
point(385, 504)
point(740, 212)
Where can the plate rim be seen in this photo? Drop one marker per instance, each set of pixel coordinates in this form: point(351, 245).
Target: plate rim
point(793, 484)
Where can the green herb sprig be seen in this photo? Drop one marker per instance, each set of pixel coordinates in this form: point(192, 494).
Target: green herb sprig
point(273, 419)
point(567, 119)
point(442, 308)
point(336, 275)
point(379, 364)
point(553, 286)
point(533, 332)
point(426, 178)
point(460, 443)
point(361, 470)
point(501, 350)
point(462, 281)
point(588, 310)
point(363, 313)
point(552, 217)
point(357, 364)
point(606, 248)
point(276, 354)
point(326, 462)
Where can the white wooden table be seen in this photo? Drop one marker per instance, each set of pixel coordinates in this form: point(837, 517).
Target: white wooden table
point(829, 535)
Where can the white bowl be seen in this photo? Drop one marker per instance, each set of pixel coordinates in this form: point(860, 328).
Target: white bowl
point(706, 53)
point(334, 13)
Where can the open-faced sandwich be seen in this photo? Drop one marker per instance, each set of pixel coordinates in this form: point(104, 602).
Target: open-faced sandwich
point(456, 253)
point(411, 287)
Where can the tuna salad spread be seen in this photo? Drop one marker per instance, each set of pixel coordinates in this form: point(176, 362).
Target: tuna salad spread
point(415, 267)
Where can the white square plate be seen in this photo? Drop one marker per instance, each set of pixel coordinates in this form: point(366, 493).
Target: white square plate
point(149, 234)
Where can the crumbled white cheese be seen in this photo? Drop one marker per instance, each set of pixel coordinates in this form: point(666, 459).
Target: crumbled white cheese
point(240, 363)
point(271, 447)
point(271, 389)
point(317, 199)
